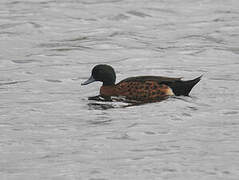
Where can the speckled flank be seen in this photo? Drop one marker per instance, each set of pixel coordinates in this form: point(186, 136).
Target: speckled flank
point(148, 90)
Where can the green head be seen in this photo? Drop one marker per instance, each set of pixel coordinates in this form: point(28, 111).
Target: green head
point(103, 73)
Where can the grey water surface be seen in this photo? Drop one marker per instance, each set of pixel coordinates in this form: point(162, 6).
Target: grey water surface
point(50, 130)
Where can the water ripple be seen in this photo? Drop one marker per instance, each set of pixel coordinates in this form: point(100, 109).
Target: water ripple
point(50, 130)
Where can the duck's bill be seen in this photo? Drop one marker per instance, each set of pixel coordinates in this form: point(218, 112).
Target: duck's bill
point(90, 80)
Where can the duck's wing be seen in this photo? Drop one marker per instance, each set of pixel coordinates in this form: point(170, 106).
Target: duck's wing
point(178, 86)
point(158, 79)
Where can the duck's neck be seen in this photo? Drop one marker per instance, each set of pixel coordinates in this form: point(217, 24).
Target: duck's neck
point(108, 90)
point(108, 82)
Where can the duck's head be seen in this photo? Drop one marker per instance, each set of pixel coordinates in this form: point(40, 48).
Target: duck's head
point(103, 73)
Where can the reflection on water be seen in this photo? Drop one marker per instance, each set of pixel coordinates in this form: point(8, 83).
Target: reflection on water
point(99, 106)
point(50, 130)
point(105, 103)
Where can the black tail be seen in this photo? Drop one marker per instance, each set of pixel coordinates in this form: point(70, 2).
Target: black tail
point(184, 87)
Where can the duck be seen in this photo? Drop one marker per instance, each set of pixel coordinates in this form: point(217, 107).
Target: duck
point(139, 88)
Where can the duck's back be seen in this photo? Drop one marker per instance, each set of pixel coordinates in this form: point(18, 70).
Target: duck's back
point(158, 79)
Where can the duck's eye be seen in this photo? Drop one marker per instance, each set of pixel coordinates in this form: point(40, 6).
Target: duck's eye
point(97, 73)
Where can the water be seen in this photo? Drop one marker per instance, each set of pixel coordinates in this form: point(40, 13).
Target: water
point(50, 130)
